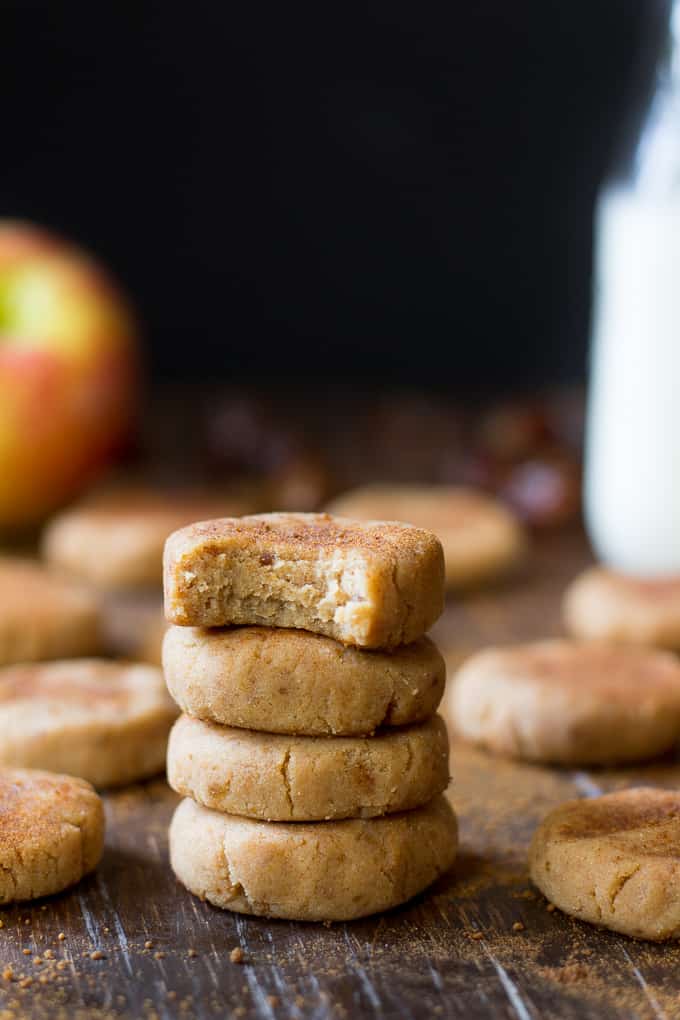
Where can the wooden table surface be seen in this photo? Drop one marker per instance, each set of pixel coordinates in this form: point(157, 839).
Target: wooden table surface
point(160, 953)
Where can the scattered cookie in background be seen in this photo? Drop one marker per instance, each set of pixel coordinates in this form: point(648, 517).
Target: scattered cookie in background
point(613, 861)
point(115, 540)
point(51, 833)
point(373, 585)
point(104, 721)
point(44, 615)
point(150, 646)
point(568, 702)
point(480, 537)
point(601, 603)
point(299, 778)
point(280, 680)
point(311, 871)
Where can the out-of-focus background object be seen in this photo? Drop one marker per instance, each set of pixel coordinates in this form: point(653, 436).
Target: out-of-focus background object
point(68, 371)
point(633, 491)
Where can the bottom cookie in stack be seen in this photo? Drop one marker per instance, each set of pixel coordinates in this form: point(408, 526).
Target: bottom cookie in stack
point(311, 871)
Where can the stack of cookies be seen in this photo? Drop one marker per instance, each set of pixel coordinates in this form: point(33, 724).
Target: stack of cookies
point(309, 754)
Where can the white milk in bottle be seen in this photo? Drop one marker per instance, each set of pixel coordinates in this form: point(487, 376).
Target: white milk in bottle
point(632, 476)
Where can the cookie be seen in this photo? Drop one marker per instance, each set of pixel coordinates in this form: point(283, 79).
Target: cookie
point(600, 603)
point(44, 616)
point(372, 584)
point(281, 778)
point(613, 861)
point(290, 681)
point(51, 833)
point(150, 646)
point(569, 702)
point(311, 871)
point(116, 541)
point(104, 721)
point(480, 537)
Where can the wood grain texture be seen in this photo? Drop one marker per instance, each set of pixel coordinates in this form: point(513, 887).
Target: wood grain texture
point(451, 953)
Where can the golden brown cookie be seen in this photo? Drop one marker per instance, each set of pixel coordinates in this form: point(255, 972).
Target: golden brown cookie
point(51, 833)
point(600, 603)
point(282, 778)
point(116, 540)
point(372, 584)
point(569, 702)
point(614, 861)
point(44, 616)
point(107, 722)
point(480, 537)
point(311, 871)
point(290, 681)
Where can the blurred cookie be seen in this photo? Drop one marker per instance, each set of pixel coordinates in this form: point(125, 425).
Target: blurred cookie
point(107, 722)
point(289, 681)
point(613, 861)
point(372, 584)
point(480, 537)
point(284, 778)
point(600, 603)
point(116, 540)
point(43, 615)
point(579, 703)
point(150, 648)
point(51, 833)
point(328, 871)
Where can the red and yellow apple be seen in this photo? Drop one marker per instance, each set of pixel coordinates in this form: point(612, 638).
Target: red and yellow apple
point(68, 371)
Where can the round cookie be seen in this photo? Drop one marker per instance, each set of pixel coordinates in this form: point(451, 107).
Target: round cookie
point(481, 538)
point(44, 616)
point(104, 721)
point(282, 778)
point(614, 861)
point(316, 871)
point(116, 540)
point(51, 833)
point(290, 681)
point(568, 702)
point(600, 603)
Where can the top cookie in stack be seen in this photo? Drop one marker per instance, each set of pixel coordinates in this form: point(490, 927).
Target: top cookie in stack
point(373, 584)
point(317, 816)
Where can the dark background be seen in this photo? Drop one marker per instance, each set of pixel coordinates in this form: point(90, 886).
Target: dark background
point(386, 191)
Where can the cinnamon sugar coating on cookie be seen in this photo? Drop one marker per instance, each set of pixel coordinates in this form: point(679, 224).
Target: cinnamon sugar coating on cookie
point(372, 584)
point(614, 861)
point(51, 833)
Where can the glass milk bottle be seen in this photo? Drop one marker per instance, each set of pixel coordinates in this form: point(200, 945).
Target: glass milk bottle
point(632, 472)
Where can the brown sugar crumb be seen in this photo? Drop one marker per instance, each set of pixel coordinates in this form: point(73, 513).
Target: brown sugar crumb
point(160, 955)
point(62, 965)
point(37, 960)
point(8, 974)
point(97, 954)
point(272, 1000)
point(518, 926)
point(49, 954)
point(476, 936)
point(551, 908)
point(192, 953)
point(106, 930)
point(26, 982)
point(148, 944)
point(27, 952)
point(61, 936)
point(236, 955)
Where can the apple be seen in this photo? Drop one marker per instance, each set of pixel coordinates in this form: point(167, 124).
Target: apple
point(68, 371)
